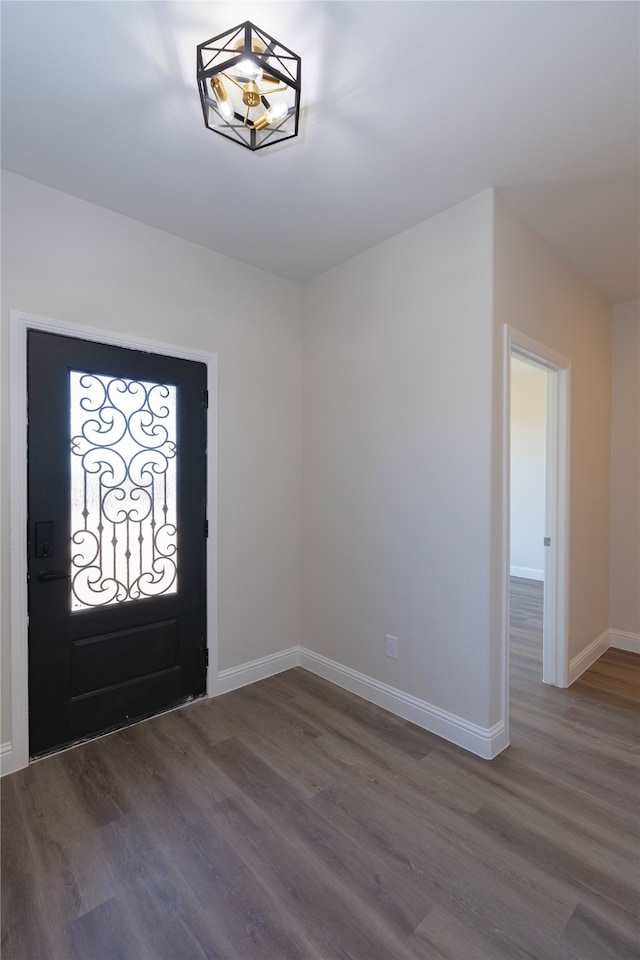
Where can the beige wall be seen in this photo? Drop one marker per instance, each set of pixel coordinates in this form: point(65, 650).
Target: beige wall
point(401, 427)
point(539, 293)
point(69, 260)
point(397, 460)
point(625, 471)
point(402, 451)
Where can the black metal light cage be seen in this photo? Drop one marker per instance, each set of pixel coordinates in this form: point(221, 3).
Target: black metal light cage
point(277, 71)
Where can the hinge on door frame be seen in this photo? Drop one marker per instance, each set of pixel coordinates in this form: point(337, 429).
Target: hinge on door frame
point(206, 528)
point(206, 657)
point(205, 399)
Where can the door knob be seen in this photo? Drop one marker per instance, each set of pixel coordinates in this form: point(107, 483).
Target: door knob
point(44, 576)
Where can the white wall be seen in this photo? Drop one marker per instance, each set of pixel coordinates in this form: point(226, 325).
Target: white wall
point(397, 352)
point(539, 293)
point(625, 477)
point(528, 440)
point(69, 260)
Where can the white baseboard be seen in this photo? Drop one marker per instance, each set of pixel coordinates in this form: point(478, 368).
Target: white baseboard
point(484, 742)
point(9, 763)
point(527, 573)
point(589, 655)
point(622, 640)
point(240, 676)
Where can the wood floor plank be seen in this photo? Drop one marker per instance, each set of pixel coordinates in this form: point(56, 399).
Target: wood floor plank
point(505, 898)
point(95, 790)
point(444, 936)
point(589, 937)
point(291, 820)
point(529, 790)
point(25, 927)
point(385, 726)
point(152, 891)
point(104, 933)
point(196, 877)
point(326, 851)
point(584, 866)
point(388, 773)
point(52, 836)
point(337, 921)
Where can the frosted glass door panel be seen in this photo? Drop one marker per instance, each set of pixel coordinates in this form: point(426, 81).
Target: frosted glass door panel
point(123, 490)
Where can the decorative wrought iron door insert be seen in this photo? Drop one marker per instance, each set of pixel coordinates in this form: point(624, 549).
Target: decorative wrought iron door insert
point(123, 489)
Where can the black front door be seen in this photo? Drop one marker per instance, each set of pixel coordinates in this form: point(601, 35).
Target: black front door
point(117, 509)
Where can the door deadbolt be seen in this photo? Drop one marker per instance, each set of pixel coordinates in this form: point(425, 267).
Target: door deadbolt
point(44, 539)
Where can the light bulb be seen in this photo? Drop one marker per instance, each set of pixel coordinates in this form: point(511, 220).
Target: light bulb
point(273, 113)
point(222, 99)
point(226, 110)
point(247, 68)
point(277, 111)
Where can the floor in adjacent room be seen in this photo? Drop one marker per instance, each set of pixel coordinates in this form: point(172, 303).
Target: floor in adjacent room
point(291, 819)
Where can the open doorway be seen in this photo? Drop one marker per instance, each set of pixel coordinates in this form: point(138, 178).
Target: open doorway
point(536, 540)
point(527, 521)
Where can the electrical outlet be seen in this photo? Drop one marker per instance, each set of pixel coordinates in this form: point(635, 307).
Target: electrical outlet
point(392, 647)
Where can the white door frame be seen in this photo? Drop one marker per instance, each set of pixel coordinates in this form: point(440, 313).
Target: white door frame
point(17, 755)
point(555, 652)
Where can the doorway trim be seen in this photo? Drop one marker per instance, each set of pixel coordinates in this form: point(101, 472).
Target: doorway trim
point(555, 652)
point(20, 323)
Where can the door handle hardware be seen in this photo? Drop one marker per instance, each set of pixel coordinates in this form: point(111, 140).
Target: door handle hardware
point(44, 576)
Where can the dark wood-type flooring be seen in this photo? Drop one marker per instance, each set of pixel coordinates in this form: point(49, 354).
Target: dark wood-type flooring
point(291, 819)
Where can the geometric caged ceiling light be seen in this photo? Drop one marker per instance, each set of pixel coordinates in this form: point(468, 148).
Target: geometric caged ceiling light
point(249, 87)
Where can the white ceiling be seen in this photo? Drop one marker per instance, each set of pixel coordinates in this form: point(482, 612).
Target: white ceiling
point(408, 108)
